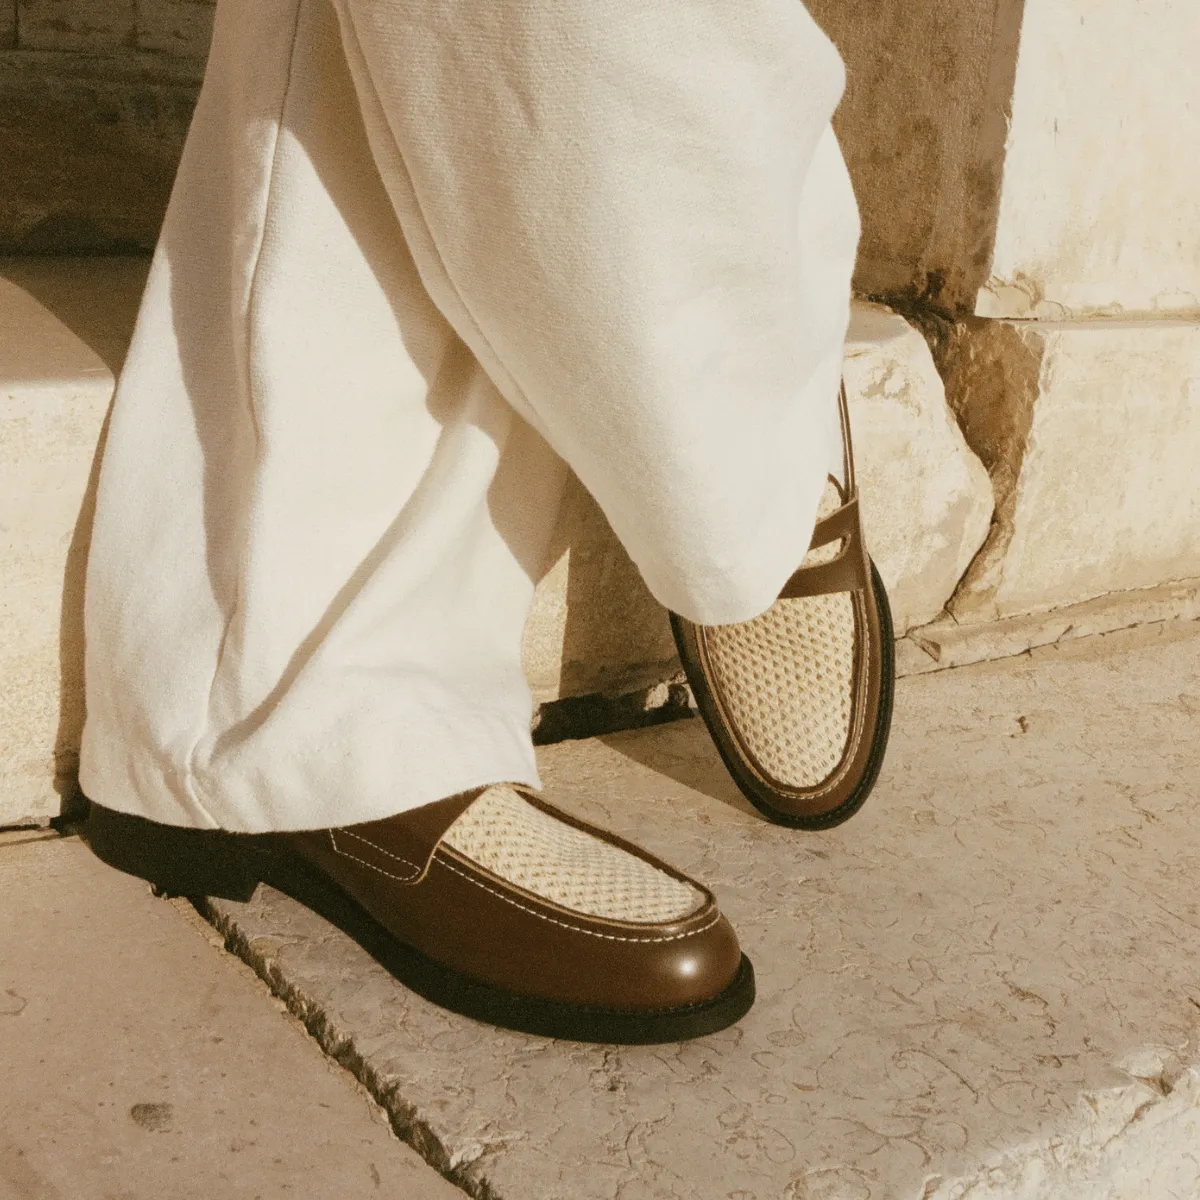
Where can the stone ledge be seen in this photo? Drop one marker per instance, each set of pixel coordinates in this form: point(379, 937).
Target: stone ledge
point(64, 328)
point(599, 650)
point(945, 643)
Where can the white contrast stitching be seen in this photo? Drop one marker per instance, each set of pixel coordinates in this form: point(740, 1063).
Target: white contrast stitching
point(375, 846)
point(610, 937)
point(355, 858)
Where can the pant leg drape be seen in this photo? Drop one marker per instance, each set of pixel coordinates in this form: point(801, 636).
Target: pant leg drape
point(416, 256)
point(637, 216)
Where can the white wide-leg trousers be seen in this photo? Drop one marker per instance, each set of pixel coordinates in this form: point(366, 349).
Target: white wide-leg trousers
point(420, 255)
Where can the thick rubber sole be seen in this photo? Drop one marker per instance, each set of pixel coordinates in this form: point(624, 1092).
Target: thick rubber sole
point(186, 862)
point(747, 784)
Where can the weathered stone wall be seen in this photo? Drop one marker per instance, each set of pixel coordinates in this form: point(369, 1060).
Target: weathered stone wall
point(95, 96)
point(923, 125)
point(95, 101)
point(180, 28)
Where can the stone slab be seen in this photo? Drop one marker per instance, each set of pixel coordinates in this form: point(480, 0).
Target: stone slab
point(140, 1061)
point(1090, 431)
point(945, 643)
point(981, 986)
point(61, 344)
point(1098, 204)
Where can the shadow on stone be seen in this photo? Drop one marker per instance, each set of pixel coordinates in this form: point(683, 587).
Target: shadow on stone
point(674, 754)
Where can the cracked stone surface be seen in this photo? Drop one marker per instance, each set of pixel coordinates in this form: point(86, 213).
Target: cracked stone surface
point(982, 987)
point(139, 1061)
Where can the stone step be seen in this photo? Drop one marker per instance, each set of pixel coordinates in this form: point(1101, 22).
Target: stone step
point(64, 327)
point(595, 630)
point(982, 987)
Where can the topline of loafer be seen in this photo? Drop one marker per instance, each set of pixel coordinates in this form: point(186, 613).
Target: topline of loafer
point(493, 904)
point(799, 699)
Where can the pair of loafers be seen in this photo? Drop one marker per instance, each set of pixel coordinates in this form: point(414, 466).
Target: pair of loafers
point(498, 905)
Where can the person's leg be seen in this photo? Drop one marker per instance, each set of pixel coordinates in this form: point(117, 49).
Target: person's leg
point(637, 217)
point(320, 513)
point(318, 522)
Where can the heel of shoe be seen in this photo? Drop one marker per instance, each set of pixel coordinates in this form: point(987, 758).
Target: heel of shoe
point(179, 862)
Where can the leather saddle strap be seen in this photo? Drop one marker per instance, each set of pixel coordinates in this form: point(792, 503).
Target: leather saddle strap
point(847, 570)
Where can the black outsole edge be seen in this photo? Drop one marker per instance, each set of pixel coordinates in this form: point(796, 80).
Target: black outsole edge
point(747, 785)
point(195, 863)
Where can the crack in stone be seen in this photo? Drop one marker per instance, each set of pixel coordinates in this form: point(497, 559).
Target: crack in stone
point(340, 1046)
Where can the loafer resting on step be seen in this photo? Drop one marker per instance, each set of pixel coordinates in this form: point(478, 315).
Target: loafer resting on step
point(493, 904)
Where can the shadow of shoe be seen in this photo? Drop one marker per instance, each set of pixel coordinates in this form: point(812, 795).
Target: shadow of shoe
point(684, 752)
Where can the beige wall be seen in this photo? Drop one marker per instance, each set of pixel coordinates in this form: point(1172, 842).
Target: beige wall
point(1100, 204)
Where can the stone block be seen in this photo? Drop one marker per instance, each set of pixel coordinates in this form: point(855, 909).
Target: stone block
point(56, 380)
point(1098, 211)
point(1091, 433)
point(89, 25)
point(182, 28)
point(89, 147)
point(1014, 159)
point(927, 500)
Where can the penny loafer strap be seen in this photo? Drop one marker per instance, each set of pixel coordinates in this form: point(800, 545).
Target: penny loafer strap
point(847, 571)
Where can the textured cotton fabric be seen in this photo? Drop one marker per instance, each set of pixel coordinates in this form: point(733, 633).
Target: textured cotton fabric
point(418, 254)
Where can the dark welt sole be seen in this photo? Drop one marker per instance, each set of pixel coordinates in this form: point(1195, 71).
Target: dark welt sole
point(186, 862)
point(751, 787)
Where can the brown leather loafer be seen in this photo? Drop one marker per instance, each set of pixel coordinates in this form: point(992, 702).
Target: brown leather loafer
point(497, 905)
point(799, 700)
